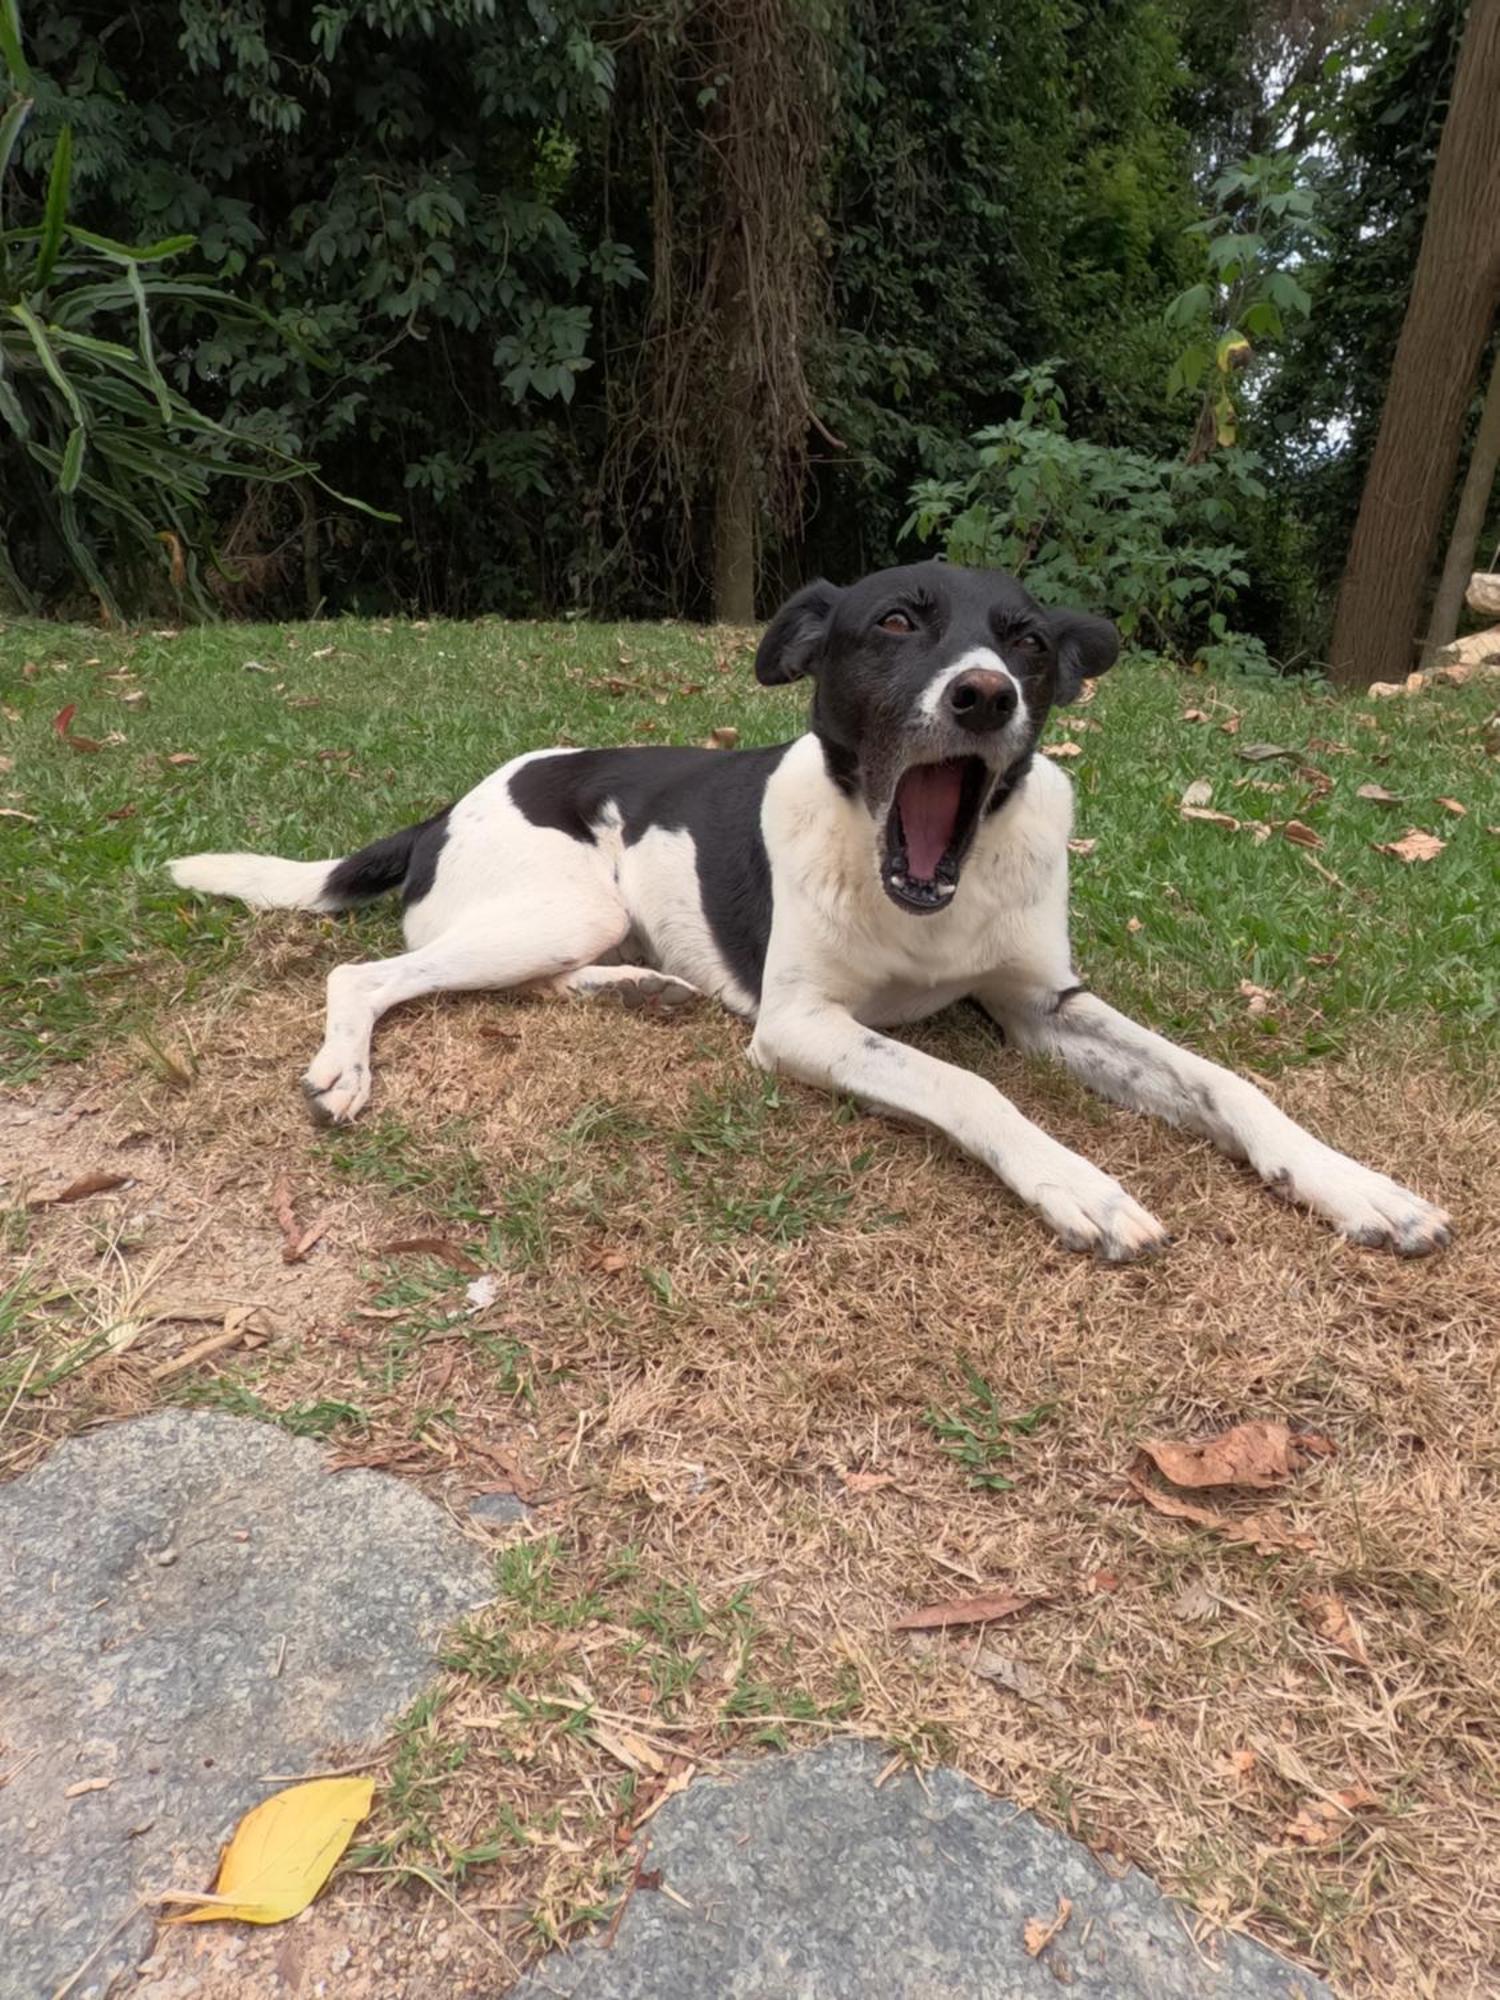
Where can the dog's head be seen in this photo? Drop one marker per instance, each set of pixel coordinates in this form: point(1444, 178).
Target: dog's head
point(932, 684)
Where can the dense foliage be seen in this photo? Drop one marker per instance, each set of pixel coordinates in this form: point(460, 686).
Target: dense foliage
point(537, 276)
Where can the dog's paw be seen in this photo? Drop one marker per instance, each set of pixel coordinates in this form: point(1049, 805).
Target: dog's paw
point(336, 1090)
point(658, 993)
point(1369, 1209)
point(1093, 1213)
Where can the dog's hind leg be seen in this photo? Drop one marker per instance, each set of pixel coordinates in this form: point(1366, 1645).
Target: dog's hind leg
point(508, 941)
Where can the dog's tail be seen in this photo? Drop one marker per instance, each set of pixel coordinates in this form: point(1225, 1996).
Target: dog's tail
point(266, 882)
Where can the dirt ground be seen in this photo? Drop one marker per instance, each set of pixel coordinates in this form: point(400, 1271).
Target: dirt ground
point(723, 1354)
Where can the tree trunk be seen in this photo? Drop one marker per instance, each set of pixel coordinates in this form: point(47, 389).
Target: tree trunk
point(1448, 318)
point(1473, 505)
point(735, 495)
point(734, 527)
point(312, 561)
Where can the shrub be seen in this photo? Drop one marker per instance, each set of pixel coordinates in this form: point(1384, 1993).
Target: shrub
point(1150, 541)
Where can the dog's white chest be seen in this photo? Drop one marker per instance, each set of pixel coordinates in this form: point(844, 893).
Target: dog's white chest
point(833, 917)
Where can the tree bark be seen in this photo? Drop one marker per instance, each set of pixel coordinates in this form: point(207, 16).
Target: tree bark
point(734, 527)
point(735, 496)
point(312, 561)
point(1473, 505)
point(1448, 319)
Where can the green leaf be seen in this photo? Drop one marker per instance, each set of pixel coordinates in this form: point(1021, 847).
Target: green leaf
point(54, 217)
point(10, 44)
point(11, 407)
point(83, 555)
point(130, 253)
point(22, 312)
point(148, 350)
point(72, 462)
point(10, 132)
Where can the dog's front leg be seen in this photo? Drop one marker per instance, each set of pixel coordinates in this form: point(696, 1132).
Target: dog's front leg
point(1132, 1066)
point(822, 1044)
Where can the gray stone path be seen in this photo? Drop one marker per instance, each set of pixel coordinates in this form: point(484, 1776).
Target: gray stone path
point(805, 1882)
point(189, 1603)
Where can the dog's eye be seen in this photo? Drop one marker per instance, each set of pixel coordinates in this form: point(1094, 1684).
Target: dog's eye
point(1030, 642)
point(895, 621)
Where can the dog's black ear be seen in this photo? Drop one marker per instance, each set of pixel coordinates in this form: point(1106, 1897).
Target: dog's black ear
point(1086, 647)
point(794, 637)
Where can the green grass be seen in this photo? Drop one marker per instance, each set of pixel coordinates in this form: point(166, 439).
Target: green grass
point(361, 727)
point(979, 1436)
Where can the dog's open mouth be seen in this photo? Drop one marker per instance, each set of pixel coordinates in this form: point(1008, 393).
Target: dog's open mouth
point(928, 830)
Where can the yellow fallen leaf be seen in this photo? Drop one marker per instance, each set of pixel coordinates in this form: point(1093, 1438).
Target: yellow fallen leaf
point(283, 1851)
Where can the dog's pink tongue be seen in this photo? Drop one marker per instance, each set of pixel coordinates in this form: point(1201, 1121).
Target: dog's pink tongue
point(927, 799)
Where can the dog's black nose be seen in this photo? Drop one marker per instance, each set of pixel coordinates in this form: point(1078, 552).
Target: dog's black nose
point(981, 700)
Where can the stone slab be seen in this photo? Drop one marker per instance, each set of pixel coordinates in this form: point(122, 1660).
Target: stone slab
point(190, 1603)
point(803, 1881)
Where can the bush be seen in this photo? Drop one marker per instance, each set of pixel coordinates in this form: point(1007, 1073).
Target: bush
point(1149, 541)
point(105, 466)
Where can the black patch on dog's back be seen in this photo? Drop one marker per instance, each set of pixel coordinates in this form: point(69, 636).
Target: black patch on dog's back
point(713, 795)
point(406, 860)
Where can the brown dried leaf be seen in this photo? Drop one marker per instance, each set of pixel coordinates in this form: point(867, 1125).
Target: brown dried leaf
point(1195, 715)
point(180, 757)
point(1300, 834)
point(1213, 818)
point(1454, 806)
point(440, 1247)
point(633, 1751)
point(1321, 1820)
point(724, 738)
point(1265, 753)
point(1231, 727)
point(1133, 924)
point(964, 1611)
point(1383, 690)
point(1017, 1677)
point(1259, 1454)
point(1082, 846)
point(1199, 793)
point(1261, 1532)
point(1259, 997)
point(286, 1215)
point(1062, 749)
point(87, 1785)
point(62, 728)
point(1038, 1933)
point(1414, 845)
point(1334, 1623)
point(867, 1482)
point(293, 1253)
point(1239, 1765)
point(607, 1261)
point(1380, 795)
point(1104, 1581)
point(78, 1190)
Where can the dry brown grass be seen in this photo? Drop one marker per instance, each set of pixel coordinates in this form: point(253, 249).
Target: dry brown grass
point(699, 1395)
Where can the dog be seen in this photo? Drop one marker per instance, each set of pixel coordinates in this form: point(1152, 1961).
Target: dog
point(908, 851)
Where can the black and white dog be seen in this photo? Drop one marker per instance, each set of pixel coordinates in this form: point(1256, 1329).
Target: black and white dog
point(908, 851)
